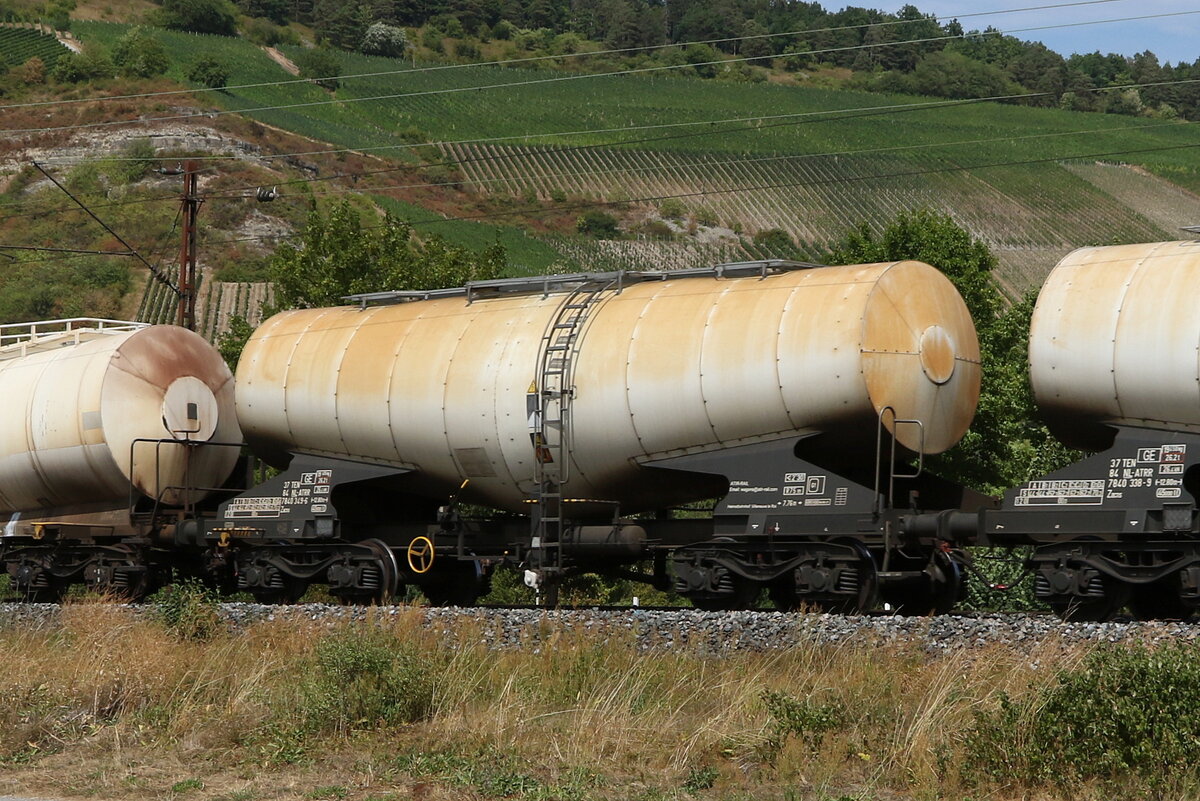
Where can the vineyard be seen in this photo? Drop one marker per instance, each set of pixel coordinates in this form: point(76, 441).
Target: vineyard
point(1032, 214)
point(740, 158)
point(217, 302)
point(18, 45)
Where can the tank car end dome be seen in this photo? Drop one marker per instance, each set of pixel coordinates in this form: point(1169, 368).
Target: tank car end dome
point(921, 356)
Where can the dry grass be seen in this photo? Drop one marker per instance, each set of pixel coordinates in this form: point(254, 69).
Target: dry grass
point(117, 705)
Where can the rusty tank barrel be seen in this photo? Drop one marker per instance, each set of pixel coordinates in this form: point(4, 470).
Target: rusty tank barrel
point(1114, 341)
point(660, 368)
point(79, 396)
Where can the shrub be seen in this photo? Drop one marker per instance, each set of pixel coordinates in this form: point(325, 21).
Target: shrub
point(672, 209)
point(187, 609)
point(208, 72)
point(93, 62)
point(382, 39)
point(599, 224)
point(467, 51)
point(657, 229)
point(321, 65)
point(776, 241)
point(503, 30)
point(137, 54)
point(802, 718)
point(1129, 712)
point(263, 32)
point(31, 73)
point(432, 38)
point(364, 679)
point(140, 159)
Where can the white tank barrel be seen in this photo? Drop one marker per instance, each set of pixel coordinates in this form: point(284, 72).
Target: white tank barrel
point(80, 394)
point(1115, 339)
point(662, 368)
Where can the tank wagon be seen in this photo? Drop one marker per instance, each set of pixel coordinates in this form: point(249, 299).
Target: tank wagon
point(114, 432)
point(1113, 360)
point(592, 410)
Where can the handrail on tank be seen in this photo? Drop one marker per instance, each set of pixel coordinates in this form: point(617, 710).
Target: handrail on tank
point(188, 490)
point(11, 333)
point(18, 340)
point(892, 474)
point(545, 284)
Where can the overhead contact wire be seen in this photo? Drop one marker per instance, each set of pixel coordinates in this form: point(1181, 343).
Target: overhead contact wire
point(571, 77)
point(588, 54)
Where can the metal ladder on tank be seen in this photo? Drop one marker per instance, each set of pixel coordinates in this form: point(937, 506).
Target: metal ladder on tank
point(550, 402)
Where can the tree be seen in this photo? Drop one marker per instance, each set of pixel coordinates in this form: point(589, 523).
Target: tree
point(137, 54)
point(321, 65)
point(200, 16)
point(948, 74)
point(340, 24)
point(209, 72)
point(1005, 445)
point(339, 256)
point(382, 39)
point(92, 62)
point(274, 10)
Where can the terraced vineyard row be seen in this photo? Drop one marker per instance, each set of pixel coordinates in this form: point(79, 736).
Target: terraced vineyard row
point(1042, 208)
point(18, 45)
point(617, 254)
point(217, 302)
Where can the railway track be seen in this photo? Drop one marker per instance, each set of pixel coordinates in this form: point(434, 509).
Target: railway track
point(664, 629)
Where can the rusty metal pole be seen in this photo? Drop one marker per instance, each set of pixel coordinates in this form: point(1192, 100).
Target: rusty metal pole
point(187, 250)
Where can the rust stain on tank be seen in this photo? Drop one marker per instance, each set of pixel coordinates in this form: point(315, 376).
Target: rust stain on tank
point(665, 367)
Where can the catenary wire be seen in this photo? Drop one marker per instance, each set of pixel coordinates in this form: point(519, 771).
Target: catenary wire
point(589, 54)
point(754, 188)
point(825, 115)
point(571, 77)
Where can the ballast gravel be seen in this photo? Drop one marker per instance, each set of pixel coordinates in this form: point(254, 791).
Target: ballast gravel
point(686, 629)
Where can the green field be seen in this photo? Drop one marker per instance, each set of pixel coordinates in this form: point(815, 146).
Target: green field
point(813, 174)
point(526, 254)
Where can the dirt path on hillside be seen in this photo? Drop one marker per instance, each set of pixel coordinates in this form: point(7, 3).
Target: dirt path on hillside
point(282, 60)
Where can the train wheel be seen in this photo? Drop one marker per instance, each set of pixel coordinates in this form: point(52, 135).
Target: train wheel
point(389, 585)
point(1161, 600)
point(1075, 609)
point(939, 596)
point(865, 588)
point(291, 591)
point(867, 576)
point(744, 596)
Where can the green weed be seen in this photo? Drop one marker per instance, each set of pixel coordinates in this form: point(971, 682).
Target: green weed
point(1127, 712)
point(187, 609)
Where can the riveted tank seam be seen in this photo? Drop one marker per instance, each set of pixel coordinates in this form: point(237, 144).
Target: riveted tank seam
point(30, 435)
point(628, 361)
point(87, 452)
point(338, 394)
point(288, 380)
point(391, 383)
point(474, 315)
point(1129, 279)
point(786, 307)
point(704, 343)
